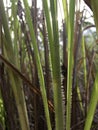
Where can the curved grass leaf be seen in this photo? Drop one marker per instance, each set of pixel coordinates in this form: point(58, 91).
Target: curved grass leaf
point(92, 105)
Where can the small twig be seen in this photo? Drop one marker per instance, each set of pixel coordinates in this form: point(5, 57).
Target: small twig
point(34, 89)
point(90, 26)
point(81, 122)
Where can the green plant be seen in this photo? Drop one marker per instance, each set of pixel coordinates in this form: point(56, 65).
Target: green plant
point(23, 63)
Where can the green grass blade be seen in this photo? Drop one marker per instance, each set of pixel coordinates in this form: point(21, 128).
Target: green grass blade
point(94, 95)
point(84, 62)
point(38, 62)
point(7, 34)
point(49, 27)
point(54, 51)
point(19, 96)
point(92, 105)
point(56, 68)
point(15, 28)
point(94, 5)
point(70, 61)
point(80, 99)
point(9, 53)
point(65, 8)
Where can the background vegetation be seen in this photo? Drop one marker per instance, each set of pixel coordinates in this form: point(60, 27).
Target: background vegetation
point(48, 65)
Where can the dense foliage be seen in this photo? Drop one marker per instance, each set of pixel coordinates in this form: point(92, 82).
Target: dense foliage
point(48, 65)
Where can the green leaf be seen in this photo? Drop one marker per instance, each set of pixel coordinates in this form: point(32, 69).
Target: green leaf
point(92, 105)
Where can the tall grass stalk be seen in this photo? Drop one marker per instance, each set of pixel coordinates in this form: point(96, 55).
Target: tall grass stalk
point(80, 99)
point(84, 62)
point(70, 61)
point(16, 87)
point(15, 26)
point(65, 8)
point(94, 5)
point(38, 62)
point(52, 28)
